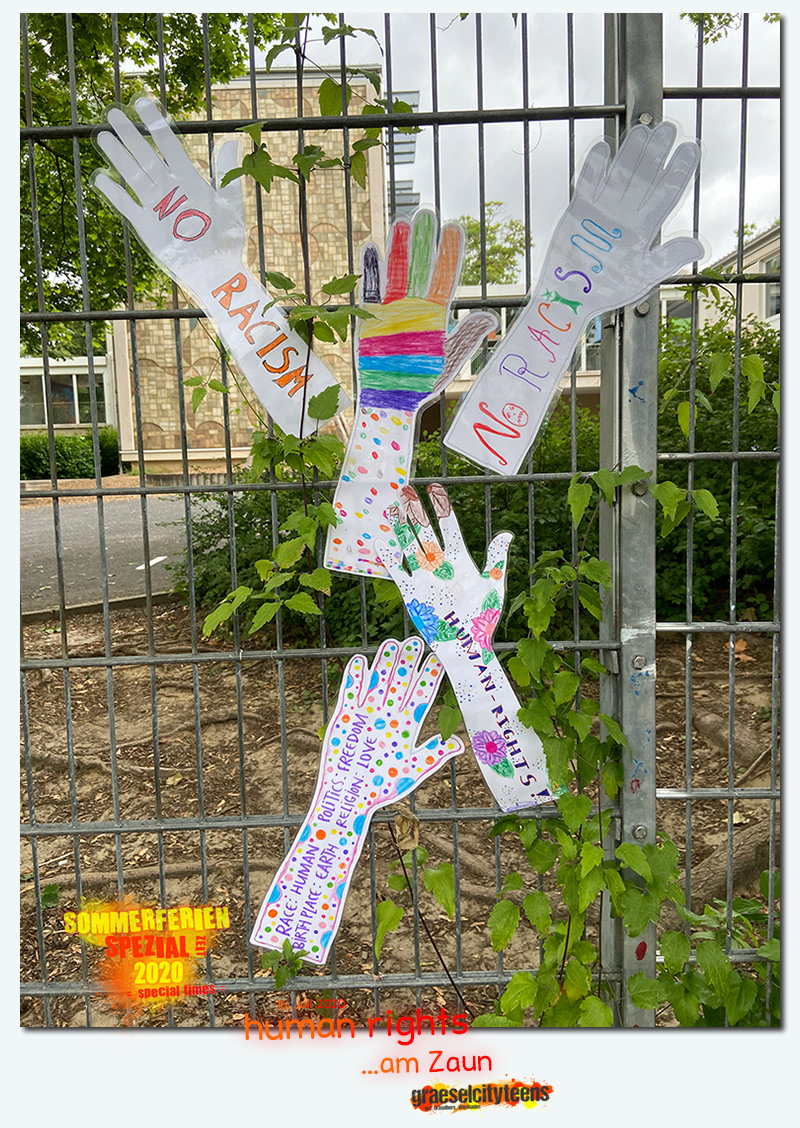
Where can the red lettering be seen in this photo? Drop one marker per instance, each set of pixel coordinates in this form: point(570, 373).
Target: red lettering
point(538, 334)
point(161, 206)
point(249, 332)
point(508, 432)
point(188, 215)
point(268, 348)
point(234, 285)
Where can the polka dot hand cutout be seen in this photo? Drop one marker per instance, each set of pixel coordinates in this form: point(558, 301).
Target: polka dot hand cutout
point(369, 760)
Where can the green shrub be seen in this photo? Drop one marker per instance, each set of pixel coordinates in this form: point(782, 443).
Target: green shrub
point(74, 455)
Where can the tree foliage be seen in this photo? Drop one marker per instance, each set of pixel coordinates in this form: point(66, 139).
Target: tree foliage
point(142, 39)
point(505, 244)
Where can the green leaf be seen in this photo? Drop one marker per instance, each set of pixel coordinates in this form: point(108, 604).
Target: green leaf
point(389, 916)
point(519, 672)
point(639, 907)
point(536, 715)
point(683, 416)
point(755, 394)
point(591, 856)
point(614, 731)
point(215, 617)
point(580, 722)
point(218, 386)
point(289, 552)
point(541, 855)
point(590, 886)
point(753, 368)
point(519, 994)
point(198, 395)
point(577, 980)
point(565, 686)
point(358, 169)
point(675, 949)
point(612, 777)
point(330, 98)
point(193, 382)
point(668, 495)
point(740, 998)
point(706, 501)
point(505, 824)
point(684, 1003)
point(673, 520)
point(590, 600)
point(596, 571)
point(771, 950)
point(645, 993)
point(532, 652)
point(323, 332)
point(449, 720)
point(265, 614)
point(441, 882)
point(633, 856)
point(344, 285)
point(49, 896)
point(594, 1012)
point(325, 404)
point(537, 909)
point(387, 591)
point(398, 881)
point(633, 474)
point(593, 666)
point(718, 365)
point(279, 281)
point(303, 602)
point(776, 398)
point(715, 965)
point(512, 881)
point(557, 750)
point(238, 597)
point(584, 951)
point(763, 885)
point(319, 580)
point(615, 886)
point(578, 497)
point(503, 921)
point(574, 809)
point(606, 482)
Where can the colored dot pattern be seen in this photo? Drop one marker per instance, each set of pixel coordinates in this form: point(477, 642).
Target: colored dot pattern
point(376, 722)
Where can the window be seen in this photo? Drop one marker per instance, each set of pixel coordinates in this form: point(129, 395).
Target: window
point(69, 395)
point(773, 289)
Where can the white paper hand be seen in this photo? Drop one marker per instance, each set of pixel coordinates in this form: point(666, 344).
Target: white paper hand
point(601, 257)
point(197, 233)
point(369, 760)
point(456, 609)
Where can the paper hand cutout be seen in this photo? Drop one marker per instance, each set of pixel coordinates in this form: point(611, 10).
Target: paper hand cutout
point(197, 233)
point(456, 609)
point(369, 760)
point(407, 353)
point(601, 257)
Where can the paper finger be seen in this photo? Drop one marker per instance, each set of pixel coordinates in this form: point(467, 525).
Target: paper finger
point(497, 552)
point(593, 171)
point(397, 262)
point(626, 161)
point(143, 154)
point(380, 675)
point(165, 138)
point(425, 686)
point(422, 241)
point(462, 342)
point(403, 675)
point(352, 683)
point(226, 157)
point(670, 186)
point(445, 273)
point(118, 198)
point(126, 165)
point(669, 258)
point(370, 274)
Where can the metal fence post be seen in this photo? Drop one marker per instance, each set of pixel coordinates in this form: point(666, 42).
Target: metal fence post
point(634, 77)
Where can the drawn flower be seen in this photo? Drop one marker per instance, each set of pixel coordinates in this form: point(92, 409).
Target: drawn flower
point(496, 573)
point(483, 626)
point(430, 556)
point(424, 619)
point(489, 747)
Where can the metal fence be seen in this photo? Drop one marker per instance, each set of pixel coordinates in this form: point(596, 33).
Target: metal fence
point(226, 845)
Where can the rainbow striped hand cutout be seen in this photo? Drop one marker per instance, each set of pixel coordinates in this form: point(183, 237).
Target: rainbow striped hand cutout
point(369, 760)
point(456, 609)
point(407, 353)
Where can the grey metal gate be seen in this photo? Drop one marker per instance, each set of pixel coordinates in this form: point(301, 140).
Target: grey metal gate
point(634, 91)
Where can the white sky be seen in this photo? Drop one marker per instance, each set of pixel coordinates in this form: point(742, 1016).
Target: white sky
point(548, 144)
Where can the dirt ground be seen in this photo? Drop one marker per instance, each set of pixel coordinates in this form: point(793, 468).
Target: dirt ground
point(97, 699)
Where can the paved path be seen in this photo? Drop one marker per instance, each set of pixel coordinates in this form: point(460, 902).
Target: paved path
point(81, 549)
